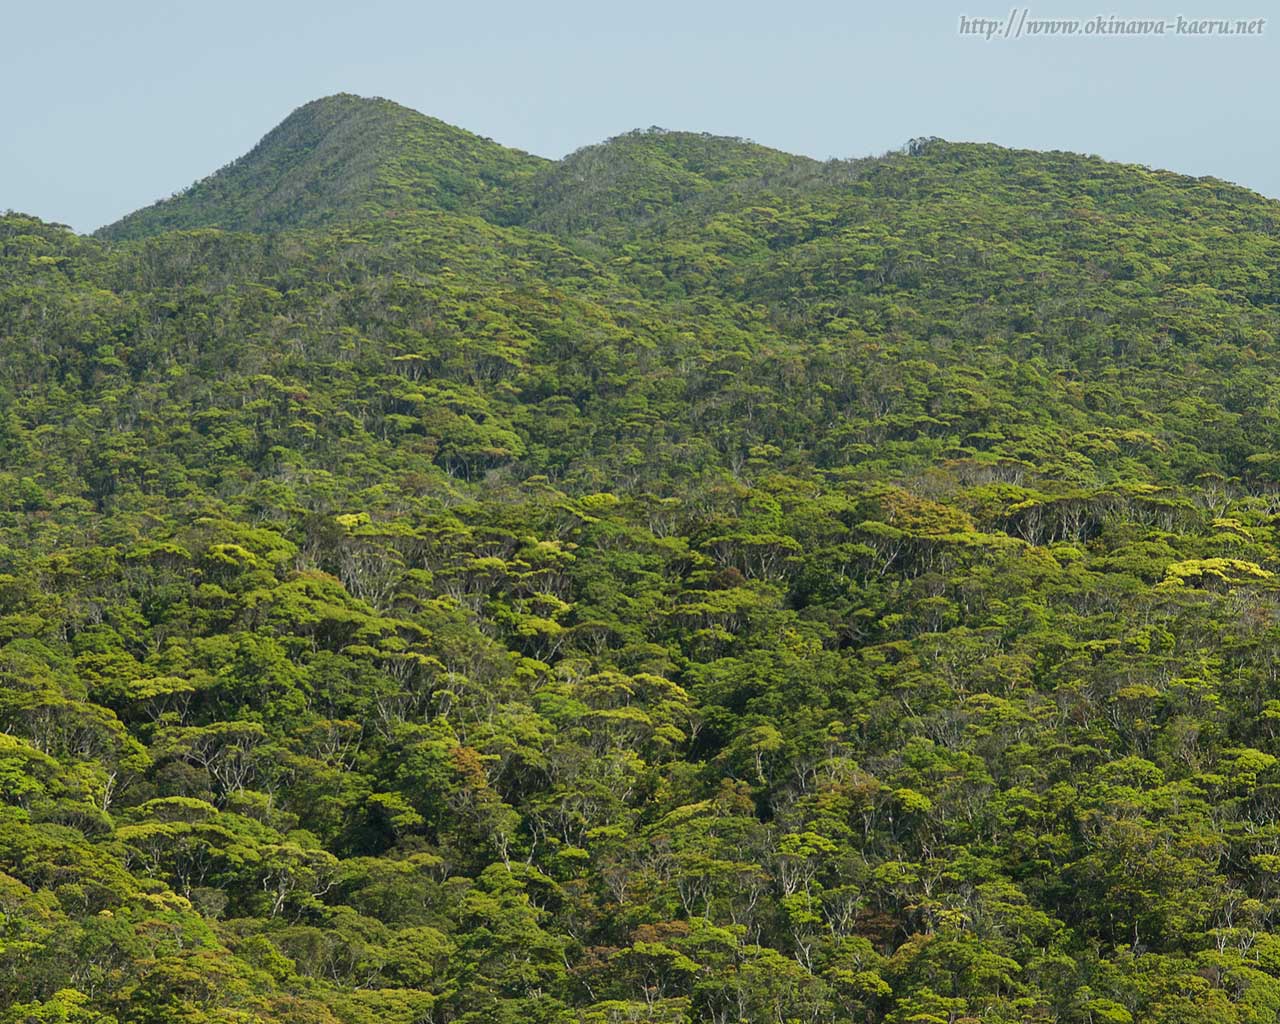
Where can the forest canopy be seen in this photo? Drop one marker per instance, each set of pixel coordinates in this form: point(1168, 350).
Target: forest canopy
point(682, 582)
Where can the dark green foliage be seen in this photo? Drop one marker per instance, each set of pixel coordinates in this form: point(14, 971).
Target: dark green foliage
point(681, 583)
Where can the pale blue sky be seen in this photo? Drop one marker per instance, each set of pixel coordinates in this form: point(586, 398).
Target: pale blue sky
point(110, 105)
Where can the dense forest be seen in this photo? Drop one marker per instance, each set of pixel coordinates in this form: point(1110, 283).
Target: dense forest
point(683, 582)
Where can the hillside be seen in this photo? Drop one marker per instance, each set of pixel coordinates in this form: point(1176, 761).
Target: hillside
point(338, 158)
point(679, 583)
point(638, 177)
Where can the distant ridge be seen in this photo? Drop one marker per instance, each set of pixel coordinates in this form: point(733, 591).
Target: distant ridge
point(338, 157)
point(346, 158)
point(634, 176)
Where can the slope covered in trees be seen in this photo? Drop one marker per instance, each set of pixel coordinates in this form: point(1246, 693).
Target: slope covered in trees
point(680, 583)
point(340, 158)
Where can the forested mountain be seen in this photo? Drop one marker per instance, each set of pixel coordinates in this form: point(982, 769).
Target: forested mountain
point(342, 157)
point(679, 583)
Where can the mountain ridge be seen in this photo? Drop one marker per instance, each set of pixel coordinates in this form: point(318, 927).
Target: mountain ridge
point(347, 157)
point(335, 156)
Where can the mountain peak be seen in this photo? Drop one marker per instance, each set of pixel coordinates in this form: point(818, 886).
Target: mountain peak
point(637, 175)
point(337, 157)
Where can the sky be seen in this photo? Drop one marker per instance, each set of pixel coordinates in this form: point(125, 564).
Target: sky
point(107, 107)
